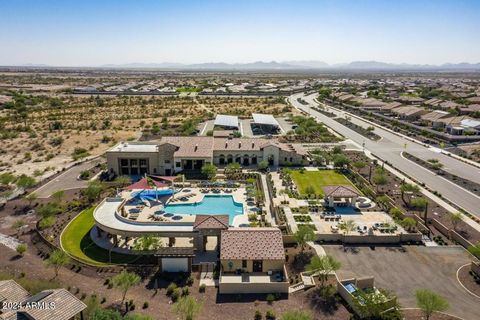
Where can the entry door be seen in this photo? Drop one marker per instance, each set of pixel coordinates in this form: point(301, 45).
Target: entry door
point(257, 266)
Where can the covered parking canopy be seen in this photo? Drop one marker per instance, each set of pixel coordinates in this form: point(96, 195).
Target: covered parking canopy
point(226, 121)
point(265, 120)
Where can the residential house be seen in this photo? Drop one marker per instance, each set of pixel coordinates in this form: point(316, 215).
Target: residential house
point(446, 105)
point(469, 109)
point(431, 119)
point(470, 126)
point(58, 304)
point(474, 99)
point(411, 100)
point(452, 124)
point(409, 112)
point(434, 102)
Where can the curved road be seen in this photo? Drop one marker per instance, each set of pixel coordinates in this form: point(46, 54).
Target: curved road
point(390, 149)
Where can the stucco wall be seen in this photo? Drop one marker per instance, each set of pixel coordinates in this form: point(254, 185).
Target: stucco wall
point(237, 264)
point(236, 288)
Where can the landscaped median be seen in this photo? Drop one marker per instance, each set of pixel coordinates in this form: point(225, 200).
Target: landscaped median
point(76, 241)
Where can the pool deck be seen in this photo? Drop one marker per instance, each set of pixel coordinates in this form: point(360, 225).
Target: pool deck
point(107, 214)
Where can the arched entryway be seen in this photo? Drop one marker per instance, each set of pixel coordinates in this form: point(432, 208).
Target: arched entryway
point(238, 158)
point(221, 159)
point(246, 160)
point(229, 158)
point(271, 160)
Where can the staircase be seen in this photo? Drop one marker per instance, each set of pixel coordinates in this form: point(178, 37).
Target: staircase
point(306, 283)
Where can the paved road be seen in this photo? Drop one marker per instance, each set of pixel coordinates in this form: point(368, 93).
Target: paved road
point(390, 149)
point(406, 269)
point(67, 180)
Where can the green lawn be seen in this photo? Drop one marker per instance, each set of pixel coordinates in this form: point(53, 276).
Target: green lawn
point(318, 179)
point(77, 242)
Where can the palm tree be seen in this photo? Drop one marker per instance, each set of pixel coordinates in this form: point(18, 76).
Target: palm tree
point(19, 224)
point(124, 281)
point(57, 259)
point(123, 181)
point(408, 188)
point(30, 198)
point(187, 308)
point(323, 265)
point(429, 302)
point(146, 243)
point(303, 235)
point(455, 219)
point(348, 226)
point(380, 180)
point(383, 201)
point(409, 223)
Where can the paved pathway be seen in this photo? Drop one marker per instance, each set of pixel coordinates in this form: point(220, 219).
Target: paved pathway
point(269, 216)
point(67, 180)
point(9, 242)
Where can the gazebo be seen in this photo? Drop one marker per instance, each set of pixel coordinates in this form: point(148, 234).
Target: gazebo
point(340, 196)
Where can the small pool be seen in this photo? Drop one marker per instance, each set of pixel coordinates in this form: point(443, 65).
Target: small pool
point(211, 204)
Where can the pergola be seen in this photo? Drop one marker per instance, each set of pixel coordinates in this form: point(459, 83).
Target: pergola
point(341, 195)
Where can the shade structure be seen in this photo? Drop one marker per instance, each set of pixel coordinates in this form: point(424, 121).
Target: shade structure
point(166, 178)
point(140, 184)
point(159, 184)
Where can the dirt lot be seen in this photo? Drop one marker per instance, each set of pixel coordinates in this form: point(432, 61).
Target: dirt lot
point(405, 269)
point(214, 306)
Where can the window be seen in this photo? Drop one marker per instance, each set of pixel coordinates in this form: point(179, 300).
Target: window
point(178, 164)
point(244, 264)
point(124, 162)
point(143, 163)
point(133, 162)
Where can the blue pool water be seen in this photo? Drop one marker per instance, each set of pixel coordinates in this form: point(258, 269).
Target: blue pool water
point(212, 205)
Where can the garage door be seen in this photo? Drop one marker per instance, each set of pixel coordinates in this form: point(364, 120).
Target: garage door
point(175, 264)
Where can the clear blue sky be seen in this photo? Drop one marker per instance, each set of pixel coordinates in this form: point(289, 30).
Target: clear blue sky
point(79, 33)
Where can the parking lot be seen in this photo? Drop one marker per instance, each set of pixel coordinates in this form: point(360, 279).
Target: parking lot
point(405, 269)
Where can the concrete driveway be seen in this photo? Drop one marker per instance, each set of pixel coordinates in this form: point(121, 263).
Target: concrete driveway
point(67, 180)
point(405, 269)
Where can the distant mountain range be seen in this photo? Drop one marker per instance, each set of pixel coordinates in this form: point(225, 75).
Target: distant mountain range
point(290, 65)
point(300, 65)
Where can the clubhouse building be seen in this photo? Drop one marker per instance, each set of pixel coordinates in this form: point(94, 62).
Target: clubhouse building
point(170, 155)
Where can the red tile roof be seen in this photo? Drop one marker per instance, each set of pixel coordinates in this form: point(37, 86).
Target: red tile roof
point(210, 222)
point(340, 191)
point(252, 244)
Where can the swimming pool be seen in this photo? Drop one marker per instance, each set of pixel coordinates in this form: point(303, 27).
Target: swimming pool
point(212, 205)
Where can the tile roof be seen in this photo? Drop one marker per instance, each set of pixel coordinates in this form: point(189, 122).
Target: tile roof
point(434, 115)
point(201, 147)
point(12, 291)
point(66, 305)
point(342, 191)
point(203, 221)
point(252, 244)
point(408, 110)
point(59, 304)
